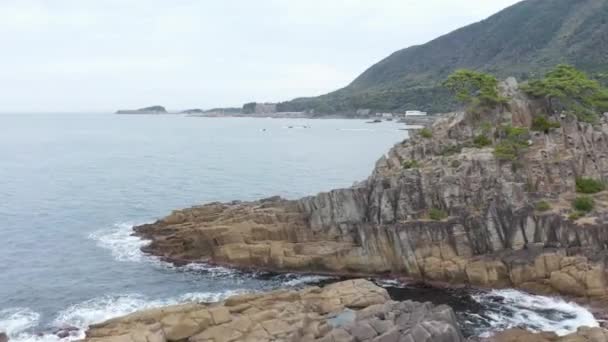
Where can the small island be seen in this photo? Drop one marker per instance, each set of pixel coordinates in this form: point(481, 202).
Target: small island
point(146, 110)
point(192, 111)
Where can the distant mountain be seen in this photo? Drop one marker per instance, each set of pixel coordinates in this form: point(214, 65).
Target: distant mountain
point(146, 110)
point(524, 41)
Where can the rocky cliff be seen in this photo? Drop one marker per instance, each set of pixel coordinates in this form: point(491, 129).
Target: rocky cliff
point(442, 206)
point(355, 310)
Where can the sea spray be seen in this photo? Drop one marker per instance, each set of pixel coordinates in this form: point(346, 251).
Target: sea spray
point(481, 312)
point(508, 308)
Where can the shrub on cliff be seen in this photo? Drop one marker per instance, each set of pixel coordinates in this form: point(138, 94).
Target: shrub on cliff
point(426, 133)
point(410, 164)
point(542, 206)
point(583, 204)
point(437, 214)
point(576, 215)
point(514, 140)
point(481, 141)
point(589, 185)
point(450, 150)
point(542, 124)
point(567, 89)
point(506, 151)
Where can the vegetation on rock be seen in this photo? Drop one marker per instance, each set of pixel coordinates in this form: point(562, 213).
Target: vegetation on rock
point(589, 185)
point(474, 89)
point(481, 141)
point(426, 133)
point(410, 164)
point(542, 206)
point(450, 150)
point(437, 214)
point(566, 89)
point(583, 204)
point(542, 124)
point(576, 215)
point(514, 142)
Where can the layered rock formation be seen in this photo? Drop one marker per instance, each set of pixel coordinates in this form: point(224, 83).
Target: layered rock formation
point(354, 310)
point(491, 235)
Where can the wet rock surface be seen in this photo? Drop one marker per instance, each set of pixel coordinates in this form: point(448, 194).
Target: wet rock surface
point(583, 334)
point(353, 310)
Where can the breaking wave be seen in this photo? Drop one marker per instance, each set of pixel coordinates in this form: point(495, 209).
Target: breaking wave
point(17, 320)
point(504, 309)
point(120, 242)
point(127, 248)
point(19, 323)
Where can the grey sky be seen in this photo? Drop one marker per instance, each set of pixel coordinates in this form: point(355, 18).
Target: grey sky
point(97, 55)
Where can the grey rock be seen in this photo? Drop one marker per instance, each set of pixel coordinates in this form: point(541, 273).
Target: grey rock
point(389, 336)
point(362, 331)
point(381, 326)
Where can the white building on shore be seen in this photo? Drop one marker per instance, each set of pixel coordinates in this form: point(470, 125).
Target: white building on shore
point(414, 113)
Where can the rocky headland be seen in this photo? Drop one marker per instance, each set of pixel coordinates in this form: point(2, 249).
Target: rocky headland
point(440, 206)
point(508, 195)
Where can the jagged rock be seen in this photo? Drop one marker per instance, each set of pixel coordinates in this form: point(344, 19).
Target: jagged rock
point(311, 314)
point(493, 236)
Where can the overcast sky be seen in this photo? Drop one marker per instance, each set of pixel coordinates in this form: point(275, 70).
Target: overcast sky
point(100, 55)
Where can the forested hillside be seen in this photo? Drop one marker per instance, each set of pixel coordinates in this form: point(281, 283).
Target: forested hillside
point(524, 40)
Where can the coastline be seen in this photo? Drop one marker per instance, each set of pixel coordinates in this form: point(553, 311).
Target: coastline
point(381, 227)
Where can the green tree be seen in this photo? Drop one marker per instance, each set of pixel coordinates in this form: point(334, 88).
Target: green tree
point(473, 88)
point(567, 89)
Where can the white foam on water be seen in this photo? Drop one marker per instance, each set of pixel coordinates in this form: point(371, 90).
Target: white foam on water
point(120, 242)
point(512, 308)
point(214, 271)
point(127, 248)
point(389, 283)
point(17, 323)
point(209, 297)
point(17, 320)
point(305, 279)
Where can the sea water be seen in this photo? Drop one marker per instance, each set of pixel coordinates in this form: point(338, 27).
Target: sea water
point(73, 185)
